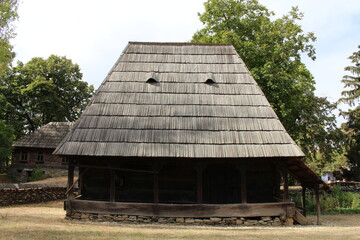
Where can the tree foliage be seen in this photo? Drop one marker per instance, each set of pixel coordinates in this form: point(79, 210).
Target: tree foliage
point(8, 14)
point(272, 50)
point(6, 139)
point(41, 91)
point(351, 96)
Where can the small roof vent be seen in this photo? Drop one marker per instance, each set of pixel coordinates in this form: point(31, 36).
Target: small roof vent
point(210, 79)
point(151, 78)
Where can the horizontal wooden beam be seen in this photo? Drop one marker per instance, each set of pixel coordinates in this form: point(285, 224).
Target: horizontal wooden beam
point(117, 169)
point(184, 210)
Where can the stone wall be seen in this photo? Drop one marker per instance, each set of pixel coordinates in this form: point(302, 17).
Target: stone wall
point(22, 172)
point(234, 221)
point(12, 194)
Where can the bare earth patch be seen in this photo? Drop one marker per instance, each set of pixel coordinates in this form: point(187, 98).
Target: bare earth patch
point(46, 221)
point(55, 180)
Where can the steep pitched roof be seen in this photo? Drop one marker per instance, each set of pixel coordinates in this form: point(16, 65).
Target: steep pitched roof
point(48, 136)
point(179, 100)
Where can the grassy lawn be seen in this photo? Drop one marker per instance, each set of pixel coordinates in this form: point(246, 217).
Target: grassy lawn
point(46, 221)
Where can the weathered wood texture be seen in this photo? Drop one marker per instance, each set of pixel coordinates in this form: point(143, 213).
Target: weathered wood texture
point(48, 136)
point(178, 114)
point(299, 218)
point(184, 210)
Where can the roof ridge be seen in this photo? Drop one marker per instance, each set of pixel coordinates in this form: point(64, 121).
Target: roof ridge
point(179, 43)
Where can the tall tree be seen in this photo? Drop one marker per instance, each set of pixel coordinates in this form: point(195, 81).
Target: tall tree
point(8, 14)
point(272, 50)
point(43, 90)
point(351, 96)
point(6, 139)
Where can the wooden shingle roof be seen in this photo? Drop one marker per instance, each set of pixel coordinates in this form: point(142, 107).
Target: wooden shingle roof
point(48, 136)
point(178, 113)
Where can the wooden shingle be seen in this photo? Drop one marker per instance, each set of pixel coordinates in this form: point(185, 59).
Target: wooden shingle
point(48, 136)
point(179, 115)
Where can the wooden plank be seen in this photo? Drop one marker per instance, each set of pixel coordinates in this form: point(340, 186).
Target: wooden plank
point(156, 188)
point(299, 218)
point(112, 186)
point(117, 169)
point(243, 185)
point(199, 171)
point(77, 180)
point(183, 210)
point(304, 200)
point(317, 200)
point(286, 185)
point(70, 185)
point(70, 182)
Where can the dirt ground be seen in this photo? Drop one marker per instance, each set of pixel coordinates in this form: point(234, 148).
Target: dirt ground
point(46, 221)
point(55, 180)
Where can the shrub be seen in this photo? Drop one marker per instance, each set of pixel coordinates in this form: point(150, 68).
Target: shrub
point(334, 201)
point(37, 174)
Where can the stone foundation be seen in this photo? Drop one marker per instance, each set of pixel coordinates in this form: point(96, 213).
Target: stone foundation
point(221, 221)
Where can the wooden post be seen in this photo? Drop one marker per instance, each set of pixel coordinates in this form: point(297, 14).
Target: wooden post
point(112, 186)
point(70, 182)
point(286, 184)
point(243, 184)
point(156, 168)
point(304, 200)
point(317, 199)
point(199, 171)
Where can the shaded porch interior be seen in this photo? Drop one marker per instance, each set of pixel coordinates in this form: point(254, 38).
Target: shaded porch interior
point(162, 187)
point(217, 182)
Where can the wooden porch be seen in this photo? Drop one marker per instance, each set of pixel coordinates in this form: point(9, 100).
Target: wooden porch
point(283, 209)
point(202, 189)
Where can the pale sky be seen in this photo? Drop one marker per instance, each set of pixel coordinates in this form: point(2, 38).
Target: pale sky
point(94, 33)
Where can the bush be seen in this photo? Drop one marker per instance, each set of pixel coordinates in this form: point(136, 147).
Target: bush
point(37, 174)
point(334, 201)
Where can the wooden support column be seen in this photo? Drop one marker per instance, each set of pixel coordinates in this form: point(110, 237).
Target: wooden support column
point(70, 182)
point(304, 200)
point(242, 170)
point(156, 168)
point(112, 186)
point(70, 186)
point(199, 179)
point(286, 184)
point(317, 200)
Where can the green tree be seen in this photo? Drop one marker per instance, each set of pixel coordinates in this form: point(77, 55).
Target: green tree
point(272, 50)
point(6, 139)
point(43, 90)
point(351, 96)
point(8, 14)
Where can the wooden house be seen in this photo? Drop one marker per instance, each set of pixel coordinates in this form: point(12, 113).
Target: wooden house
point(35, 151)
point(182, 130)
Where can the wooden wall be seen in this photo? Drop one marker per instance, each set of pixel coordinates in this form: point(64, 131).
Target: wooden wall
point(178, 182)
point(33, 156)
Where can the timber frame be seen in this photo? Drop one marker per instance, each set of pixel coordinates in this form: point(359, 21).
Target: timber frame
point(182, 129)
point(240, 206)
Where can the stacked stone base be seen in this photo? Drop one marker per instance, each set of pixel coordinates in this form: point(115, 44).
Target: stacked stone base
point(222, 221)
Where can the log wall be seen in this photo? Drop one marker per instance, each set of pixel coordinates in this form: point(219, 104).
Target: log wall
point(12, 195)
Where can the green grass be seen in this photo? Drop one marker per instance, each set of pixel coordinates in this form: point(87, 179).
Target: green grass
point(338, 211)
point(334, 201)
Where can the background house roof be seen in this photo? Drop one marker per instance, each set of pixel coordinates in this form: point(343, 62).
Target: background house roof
point(48, 136)
point(178, 113)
